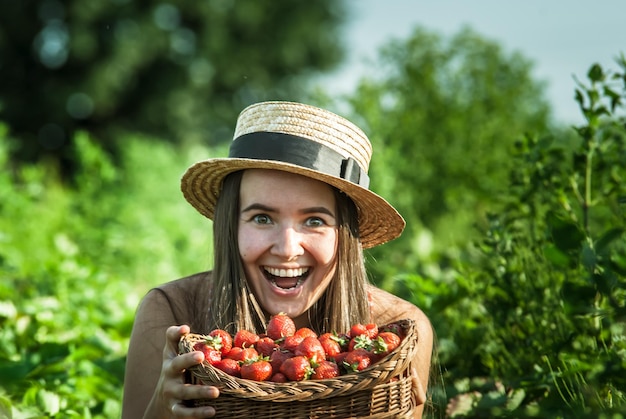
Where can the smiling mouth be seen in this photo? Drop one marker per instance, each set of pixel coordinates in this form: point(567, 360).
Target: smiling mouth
point(286, 279)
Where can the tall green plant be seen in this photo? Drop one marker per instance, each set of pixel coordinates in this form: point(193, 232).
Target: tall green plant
point(548, 320)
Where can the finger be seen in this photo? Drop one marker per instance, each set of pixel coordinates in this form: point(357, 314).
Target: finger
point(181, 411)
point(175, 366)
point(417, 388)
point(196, 391)
point(172, 337)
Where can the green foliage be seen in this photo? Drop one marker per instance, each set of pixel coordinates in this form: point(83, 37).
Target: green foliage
point(542, 315)
point(175, 70)
point(442, 118)
point(515, 243)
point(530, 316)
point(74, 263)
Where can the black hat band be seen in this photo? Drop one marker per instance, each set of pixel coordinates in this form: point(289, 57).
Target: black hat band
point(300, 151)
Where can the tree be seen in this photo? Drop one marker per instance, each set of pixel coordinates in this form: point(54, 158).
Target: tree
point(173, 69)
point(442, 116)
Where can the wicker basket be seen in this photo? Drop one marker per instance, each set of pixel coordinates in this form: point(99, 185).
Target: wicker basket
point(383, 390)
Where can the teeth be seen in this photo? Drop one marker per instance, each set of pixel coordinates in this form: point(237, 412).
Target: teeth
point(286, 273)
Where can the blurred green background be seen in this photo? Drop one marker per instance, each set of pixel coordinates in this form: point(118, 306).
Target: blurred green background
point(515, 244)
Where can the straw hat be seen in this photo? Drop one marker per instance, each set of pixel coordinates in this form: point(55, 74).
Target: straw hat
point(305, 140)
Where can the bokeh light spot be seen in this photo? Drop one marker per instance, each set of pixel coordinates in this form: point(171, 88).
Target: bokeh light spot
point(80, 106)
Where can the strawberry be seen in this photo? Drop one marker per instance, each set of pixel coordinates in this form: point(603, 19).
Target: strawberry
point(220, 340)
point(278, 357)
point(211, 355)
point(369, 329)
point(311, 348)
point(340, 358)
point(265, 346)
point(229, 366)
point(290, 343)
point(280, 326)
point(245, 338)
point(278, 377)
point(325, 369)
point(358, 360)
point(242, 354)
point(393, 328)
point(385, 343)
point(305, 332)
point(360, 342)
point(297, 368)
point(332, 343)
point(256, 369)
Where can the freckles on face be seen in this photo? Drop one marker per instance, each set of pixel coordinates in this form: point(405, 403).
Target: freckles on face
point(287, 239)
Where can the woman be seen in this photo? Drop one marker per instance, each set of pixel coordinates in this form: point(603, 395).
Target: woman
point(291, 215)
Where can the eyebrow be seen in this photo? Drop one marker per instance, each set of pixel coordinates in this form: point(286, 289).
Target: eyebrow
point(309, 210)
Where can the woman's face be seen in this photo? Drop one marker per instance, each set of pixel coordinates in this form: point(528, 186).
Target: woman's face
point(287, 239)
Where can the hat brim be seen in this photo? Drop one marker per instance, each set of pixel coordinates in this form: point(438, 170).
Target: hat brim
point(379, 222)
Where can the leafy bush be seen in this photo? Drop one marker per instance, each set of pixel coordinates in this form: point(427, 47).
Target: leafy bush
point(537, 328)
point(73, 265)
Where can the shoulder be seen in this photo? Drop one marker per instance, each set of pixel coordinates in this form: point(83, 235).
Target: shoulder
point(185, 285)
point(184, 297)
point(387, 308)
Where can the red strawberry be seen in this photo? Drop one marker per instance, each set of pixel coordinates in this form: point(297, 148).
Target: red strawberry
point(393, 328)
point(297, 368)
point(332, 343)
point(235, 353)
point(229, 366)
point(311, 348)
point(278, 357)
point(360, 342)
point(325, 369)
point(220, 340)
point(211, 355)
point(265, 346)
point(358, 360)
point(305, 332)
point(369, 329)
point(256, 369)
point(242, 354)
point(340, 358)
point(244, 338)
point(280, 326)
point(385, 343)
point(278, 377)
point(290, 343)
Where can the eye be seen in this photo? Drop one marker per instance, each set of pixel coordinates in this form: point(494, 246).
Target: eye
point(262, 219)
point(315, 222)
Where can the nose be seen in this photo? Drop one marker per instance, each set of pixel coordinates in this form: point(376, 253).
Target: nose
point(288, 244)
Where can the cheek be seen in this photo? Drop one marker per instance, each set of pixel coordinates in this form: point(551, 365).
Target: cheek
point(252, 243)
point(326, 250)
point(245, 244)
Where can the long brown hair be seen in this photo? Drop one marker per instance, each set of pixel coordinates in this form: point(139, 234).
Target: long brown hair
point(232, 305)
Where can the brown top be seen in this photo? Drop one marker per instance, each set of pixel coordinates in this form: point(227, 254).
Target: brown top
point(173, 304)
